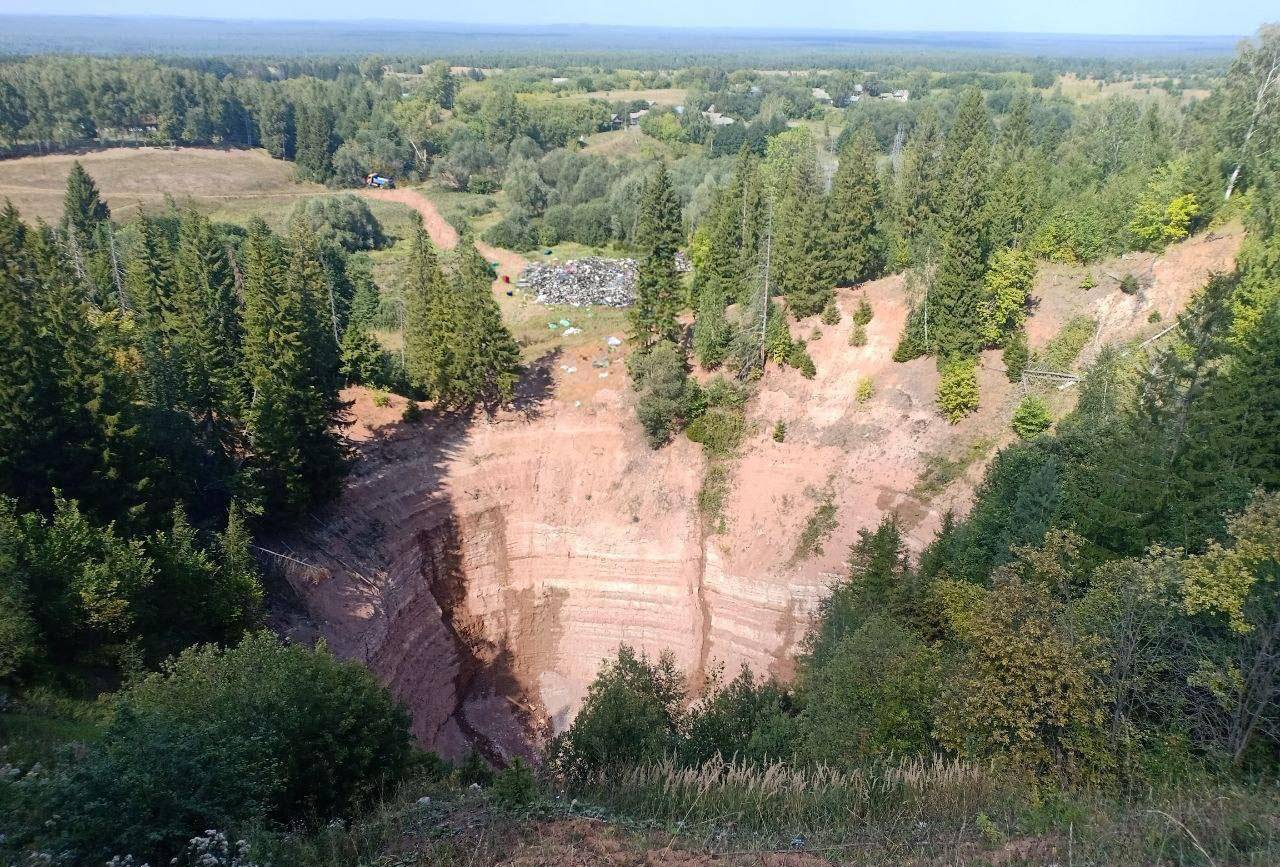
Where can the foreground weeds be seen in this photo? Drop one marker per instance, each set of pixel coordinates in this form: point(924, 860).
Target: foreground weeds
point(928, 811)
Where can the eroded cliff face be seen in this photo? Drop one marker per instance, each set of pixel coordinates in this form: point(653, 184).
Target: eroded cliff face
point(483, 568)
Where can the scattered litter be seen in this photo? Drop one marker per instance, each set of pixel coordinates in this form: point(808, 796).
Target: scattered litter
point(564, 322)
point(613, 341)
point(600, 362)
point(424, 801)
point(571, 370)
point(573, 329)
point(583, 282)
point(604, 375)
point(577, 403)
point(683, 265)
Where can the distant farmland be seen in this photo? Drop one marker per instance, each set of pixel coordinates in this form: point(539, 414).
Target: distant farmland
point(211, 179)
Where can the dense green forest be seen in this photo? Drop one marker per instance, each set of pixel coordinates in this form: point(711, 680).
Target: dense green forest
point(1099, 633)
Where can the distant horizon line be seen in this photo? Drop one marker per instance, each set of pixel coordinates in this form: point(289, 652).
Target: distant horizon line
point(761, 29)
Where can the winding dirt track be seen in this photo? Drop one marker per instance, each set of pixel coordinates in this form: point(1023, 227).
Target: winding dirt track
point(445, 236)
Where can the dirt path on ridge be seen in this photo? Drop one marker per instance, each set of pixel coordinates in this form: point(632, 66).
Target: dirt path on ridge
point(445, 236)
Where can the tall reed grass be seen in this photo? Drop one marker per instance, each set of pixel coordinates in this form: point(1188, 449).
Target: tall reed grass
point(765, 800)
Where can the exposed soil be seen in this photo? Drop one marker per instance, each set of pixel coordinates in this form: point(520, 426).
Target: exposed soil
point(483, 567)
point(508, 262)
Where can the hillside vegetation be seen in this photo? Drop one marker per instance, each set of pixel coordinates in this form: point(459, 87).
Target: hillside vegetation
point(1084, 666)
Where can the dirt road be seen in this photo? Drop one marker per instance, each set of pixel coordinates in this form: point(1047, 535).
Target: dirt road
point(444, 236)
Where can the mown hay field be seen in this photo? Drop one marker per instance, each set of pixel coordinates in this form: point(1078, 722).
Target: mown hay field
point(212, 179)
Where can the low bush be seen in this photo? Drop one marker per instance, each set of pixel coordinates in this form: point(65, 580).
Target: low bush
point(957, 388)
point(263, 731)
point(866, 389)
point(515, 787)
point(1031, 418)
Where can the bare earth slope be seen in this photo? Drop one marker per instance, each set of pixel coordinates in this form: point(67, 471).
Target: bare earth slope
point(484, 568)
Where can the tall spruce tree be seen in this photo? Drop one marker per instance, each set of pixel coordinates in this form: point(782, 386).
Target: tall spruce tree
point(32, 426)
point(314, 150)
point(658, 287)
point(489, 355)
point(737, 227)
point(429, 321)
point(798, 256)
point(852, 248)
point(919, 185)
point(82, 205)
point(206, 337)
point(954, 297)
point(148, 276)
point(294, 409)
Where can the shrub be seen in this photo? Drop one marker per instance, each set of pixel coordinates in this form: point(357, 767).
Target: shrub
point(831, 314)
point(718, 430)
point(515, 787)
point(872, 697)
point(864, 313)
point(743, 718)
point(412, 412)
point(219, 738)
point(800, 359)
point(1165, 211)
point(858, 335)
point(1031, 418)
point(1006, 287)
point(1015, 355)
point(866, 389)
point(667, 399)
point(822, 522)
point(381, 399)
point(1154, 317)
point(712, 495)
point(345, 220)
point(958, 388)
point(516, 231)
point(1129, 284)
point(1088, 282)
point(779, 431)
point(475, 771)
point(19, 636)
point(631, 715)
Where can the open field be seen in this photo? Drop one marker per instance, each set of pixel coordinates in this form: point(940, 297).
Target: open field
point(660, 96)
point(1092, 90)
point(620, 143)
point(210, 178)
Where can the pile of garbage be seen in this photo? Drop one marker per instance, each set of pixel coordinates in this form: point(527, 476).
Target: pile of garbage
point(583, 282)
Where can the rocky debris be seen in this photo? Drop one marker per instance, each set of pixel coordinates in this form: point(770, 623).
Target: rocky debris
point(583, 282)
point(683, 265)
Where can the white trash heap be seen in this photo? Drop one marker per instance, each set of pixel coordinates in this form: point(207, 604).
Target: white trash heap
point(583, 282)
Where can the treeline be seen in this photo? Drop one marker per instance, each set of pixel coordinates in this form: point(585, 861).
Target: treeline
point(968, 205)
point(170, 382)
point(337, 128)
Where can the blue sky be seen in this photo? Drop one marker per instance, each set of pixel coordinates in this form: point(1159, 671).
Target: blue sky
point(1156, 17)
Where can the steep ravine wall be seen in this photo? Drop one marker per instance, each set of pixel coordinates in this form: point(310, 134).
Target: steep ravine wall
point(484, 568)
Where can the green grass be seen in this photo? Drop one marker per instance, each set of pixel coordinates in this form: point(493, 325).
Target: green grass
point(820, 525)
point(38, 728)
point(940, 470)
point(1061, 352)
point(938, 810)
